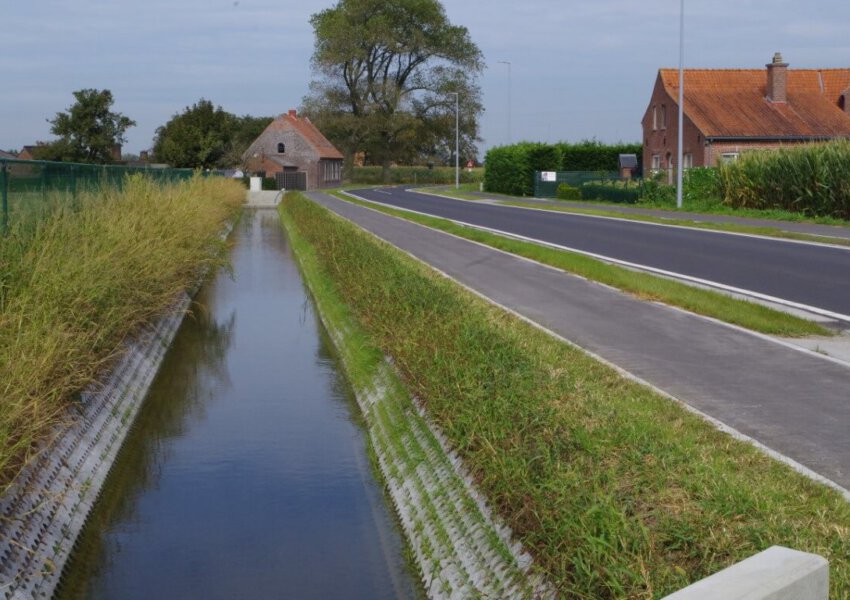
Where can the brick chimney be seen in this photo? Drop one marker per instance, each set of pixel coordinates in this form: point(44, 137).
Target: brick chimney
point(777, 79)
point(293, 113)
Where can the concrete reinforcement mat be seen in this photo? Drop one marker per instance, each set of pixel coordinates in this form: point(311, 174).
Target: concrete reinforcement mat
point(47, 508)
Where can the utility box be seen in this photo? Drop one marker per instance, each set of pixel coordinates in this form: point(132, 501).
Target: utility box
point(256, 184)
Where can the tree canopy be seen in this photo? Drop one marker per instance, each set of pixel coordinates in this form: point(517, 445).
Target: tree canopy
point(205, 136)
point(88, 131)
point(386, 75)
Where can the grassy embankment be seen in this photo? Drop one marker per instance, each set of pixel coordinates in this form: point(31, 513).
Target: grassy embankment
point(617, 491)
point(75, 284)
point(645, 286)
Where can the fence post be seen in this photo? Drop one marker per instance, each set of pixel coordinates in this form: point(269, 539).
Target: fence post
point(74, 184)
point(5, 196)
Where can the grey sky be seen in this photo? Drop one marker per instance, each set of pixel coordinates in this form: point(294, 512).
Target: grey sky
point(580, 69)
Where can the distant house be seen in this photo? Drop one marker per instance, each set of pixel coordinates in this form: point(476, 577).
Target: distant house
point(7, 155)
point(729, 111)
point(292, 144)
point(28, 152)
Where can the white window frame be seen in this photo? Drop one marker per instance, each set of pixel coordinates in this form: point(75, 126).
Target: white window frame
point(727, 157)
point(688, 160)
point(656, 162)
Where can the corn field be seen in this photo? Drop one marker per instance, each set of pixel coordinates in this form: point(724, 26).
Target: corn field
point(813, 179)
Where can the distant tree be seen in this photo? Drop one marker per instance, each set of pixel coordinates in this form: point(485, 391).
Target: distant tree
point(206, 136)
point(199, 137)
point(386, 73)
point(89, 130)
point(248, 129)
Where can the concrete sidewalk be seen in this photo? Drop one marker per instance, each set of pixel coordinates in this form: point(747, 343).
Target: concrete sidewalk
point(790, 226)
point(794, 402)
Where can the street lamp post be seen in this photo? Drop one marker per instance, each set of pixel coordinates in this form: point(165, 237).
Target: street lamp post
point(679, 158)
point(457, 139)
point(508, 63)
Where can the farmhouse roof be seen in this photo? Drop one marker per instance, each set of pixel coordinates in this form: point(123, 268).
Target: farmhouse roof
point(733, 103)
point(308, 132)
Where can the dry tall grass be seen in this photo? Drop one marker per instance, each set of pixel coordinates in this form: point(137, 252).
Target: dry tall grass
point(74, 286)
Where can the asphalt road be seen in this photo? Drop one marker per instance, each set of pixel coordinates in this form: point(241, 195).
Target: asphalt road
point(794, 402)
point(808, 274)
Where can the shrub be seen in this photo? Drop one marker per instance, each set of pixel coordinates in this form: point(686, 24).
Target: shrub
point(568, 192)
point(624, 192)
point(812, 179)
point(657, 192)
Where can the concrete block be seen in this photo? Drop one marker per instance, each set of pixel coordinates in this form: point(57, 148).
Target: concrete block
point(776, 574)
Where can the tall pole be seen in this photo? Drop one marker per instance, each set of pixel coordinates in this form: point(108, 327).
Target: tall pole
point(457, 139)
point(508, 63)
point(679, 161)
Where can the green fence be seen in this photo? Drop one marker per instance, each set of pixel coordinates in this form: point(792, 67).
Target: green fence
point(546, 183)
point(33, 188)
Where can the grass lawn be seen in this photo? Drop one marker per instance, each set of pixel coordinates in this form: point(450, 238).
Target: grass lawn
point(617, 491)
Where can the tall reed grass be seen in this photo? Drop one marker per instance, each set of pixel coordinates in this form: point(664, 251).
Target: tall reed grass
point(812, 179)
point(78, 282)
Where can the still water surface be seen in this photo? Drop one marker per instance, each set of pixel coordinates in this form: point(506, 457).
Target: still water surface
point(246, 474)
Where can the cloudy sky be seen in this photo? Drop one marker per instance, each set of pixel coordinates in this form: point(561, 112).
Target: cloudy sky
point(579, 69)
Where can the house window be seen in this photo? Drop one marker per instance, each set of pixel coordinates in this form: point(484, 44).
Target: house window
point(654, 118)
point(688, 161)
point(656, 161)
point(281, 148)
point(728, 157)
point(663, 116)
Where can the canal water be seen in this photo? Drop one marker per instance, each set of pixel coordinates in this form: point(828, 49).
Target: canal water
point(246, 474)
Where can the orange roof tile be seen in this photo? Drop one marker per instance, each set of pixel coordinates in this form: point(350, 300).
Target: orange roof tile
point(309, 132)
point(733, 103)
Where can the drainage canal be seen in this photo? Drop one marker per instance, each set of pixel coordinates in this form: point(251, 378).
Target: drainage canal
point(246, 473)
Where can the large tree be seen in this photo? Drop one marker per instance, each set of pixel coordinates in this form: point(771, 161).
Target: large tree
point(386, 75)
point(88, 131)
point(205, 136)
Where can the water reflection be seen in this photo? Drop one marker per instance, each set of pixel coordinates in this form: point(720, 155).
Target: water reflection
point(245, 475)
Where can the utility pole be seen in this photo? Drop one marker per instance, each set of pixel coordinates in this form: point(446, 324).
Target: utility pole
point(679, 158)
point(457, 139)
point(508, 63)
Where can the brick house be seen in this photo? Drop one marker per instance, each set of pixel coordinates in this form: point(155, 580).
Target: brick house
point(291, 144)
point(729, 111)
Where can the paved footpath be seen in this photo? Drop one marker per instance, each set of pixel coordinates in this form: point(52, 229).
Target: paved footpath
point(834, 231)
point(795, 403)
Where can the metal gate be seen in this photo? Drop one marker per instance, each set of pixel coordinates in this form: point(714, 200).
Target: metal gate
point(291, 180)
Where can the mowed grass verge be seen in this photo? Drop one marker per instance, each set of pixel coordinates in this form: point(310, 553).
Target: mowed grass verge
point(78, 282)
point(745, 314)
point(617, 491)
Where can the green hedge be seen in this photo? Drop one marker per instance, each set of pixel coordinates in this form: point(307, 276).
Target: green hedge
point(591, 155)
point(397, 175)
point(510, 169)
point(813, 179)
